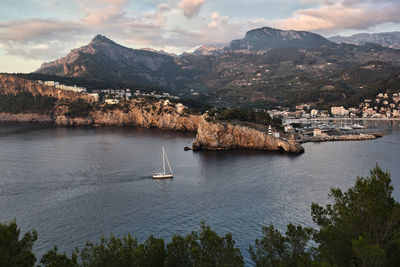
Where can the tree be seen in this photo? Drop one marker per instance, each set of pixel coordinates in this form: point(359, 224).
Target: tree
point(53, 259)
point(362, 226)
point(275, 249)
point(15, 251)
point(151, 253)
point(204, 248)
point(110, 252)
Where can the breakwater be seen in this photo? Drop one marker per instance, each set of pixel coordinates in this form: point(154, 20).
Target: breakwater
point(331, 138)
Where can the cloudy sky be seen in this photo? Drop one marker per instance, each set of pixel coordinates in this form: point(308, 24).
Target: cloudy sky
point(35, 31)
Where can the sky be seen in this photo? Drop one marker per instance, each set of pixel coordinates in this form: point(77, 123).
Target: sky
point(37, 31)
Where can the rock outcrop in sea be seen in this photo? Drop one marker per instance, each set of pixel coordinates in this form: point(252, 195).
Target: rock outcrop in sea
point(217, 136)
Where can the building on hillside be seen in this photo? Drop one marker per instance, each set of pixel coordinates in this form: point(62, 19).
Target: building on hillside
point(314, 113)
point(339, 111)
point(51, 83)
point(318, 132)
point(276, 134)
point(180, 108)
point(111, 101)
point(288, 128)
point(95, 96)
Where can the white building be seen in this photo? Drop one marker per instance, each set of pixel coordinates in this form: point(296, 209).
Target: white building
point(339, 111)
point(288, 128)
point(276, 134)
point(51, 83)
point(95, 96)
point(318, 132)
point(111, 101)
point(180, 108)
point(314, 113)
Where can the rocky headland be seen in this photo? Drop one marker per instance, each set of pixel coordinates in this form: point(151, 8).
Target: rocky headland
point(217, 136)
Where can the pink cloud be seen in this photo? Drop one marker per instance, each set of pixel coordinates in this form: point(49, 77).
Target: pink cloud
point(333, 16)
point(191, 7)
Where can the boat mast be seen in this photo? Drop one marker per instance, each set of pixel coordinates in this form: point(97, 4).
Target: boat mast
point(166, 157)
point(163, 160)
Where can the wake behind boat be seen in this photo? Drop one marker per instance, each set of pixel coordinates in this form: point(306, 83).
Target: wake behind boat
point(164, 175)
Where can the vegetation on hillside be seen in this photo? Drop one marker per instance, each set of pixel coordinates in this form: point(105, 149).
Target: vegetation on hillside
point(242, 115)
point(79, 108)
point(361, 227)
point(90, 84)
point(26, 102)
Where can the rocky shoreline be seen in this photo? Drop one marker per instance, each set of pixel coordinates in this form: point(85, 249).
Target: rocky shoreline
point(210, 136)
point(25, 117)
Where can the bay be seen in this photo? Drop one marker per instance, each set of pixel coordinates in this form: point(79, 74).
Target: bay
point(75, 184)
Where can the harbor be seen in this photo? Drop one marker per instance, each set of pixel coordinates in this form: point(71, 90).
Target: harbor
point(332, 129)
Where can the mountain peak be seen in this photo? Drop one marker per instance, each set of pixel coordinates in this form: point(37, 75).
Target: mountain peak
point(101, 39)
point(267, 37)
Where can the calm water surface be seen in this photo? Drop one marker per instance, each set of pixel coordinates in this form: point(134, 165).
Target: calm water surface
point(74, 184)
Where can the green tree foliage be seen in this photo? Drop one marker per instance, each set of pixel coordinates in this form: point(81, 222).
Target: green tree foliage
point(25, 102)
point(204, 248)
point(15, 251)
point(79, 108)
point(362, 226)
point(243, 115)
point(53, 259)
point(275, 249)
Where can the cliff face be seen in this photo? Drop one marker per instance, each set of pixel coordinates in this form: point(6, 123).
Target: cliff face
point(228, 136)
point(138, 114)
point(12, 85)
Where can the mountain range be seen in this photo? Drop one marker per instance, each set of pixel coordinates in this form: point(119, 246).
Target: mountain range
point(387, 39)
point(267, 67)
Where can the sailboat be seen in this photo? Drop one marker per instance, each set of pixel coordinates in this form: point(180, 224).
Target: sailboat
point(164, 175)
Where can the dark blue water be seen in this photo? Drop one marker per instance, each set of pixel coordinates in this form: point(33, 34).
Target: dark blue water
point(74, 184)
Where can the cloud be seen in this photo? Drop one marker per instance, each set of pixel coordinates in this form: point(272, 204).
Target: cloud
point(23, 30)
point(97, 12)
point(38, 38)
point(191, 7)
point(334, 16)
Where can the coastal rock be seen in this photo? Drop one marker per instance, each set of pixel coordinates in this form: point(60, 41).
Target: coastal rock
point(63, 120)
point(215, 136)
point(25, 117)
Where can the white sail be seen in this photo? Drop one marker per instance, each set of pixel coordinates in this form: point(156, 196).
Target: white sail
point(164, 174)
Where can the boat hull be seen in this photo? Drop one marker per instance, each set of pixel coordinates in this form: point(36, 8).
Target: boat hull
point(162, 176)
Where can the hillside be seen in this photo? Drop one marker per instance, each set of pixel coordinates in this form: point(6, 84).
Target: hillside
point(268, 67)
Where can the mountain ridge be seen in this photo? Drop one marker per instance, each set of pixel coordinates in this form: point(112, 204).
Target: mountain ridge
point(386, 39)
